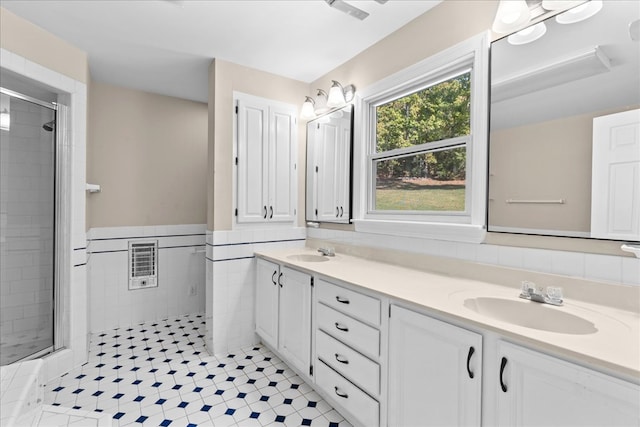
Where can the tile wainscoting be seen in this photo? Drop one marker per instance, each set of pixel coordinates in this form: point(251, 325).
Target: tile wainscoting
point(230, 319)
point(181, 275)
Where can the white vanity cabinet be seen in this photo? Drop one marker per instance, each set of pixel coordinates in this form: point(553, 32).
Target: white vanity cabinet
point(348, 351)
point(283, 312)
point(534, 389)
point(266, 160)
point(435, 372)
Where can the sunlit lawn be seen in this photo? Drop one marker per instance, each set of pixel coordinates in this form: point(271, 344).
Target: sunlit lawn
point(403, 196)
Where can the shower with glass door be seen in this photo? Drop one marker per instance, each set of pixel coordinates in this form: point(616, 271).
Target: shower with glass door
point(28, 282)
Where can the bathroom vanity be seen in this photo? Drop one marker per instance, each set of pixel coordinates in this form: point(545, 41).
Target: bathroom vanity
point(398, 346)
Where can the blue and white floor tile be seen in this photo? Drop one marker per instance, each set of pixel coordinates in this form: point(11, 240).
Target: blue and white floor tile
point(160, 374)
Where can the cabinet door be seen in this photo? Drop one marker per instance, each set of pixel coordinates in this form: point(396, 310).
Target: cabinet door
point(253, 143)
point(540, 390)
point(267, 301)
point(282, 173)
point(431, 365)
point(343, 160)
point(328, 209)
point(295, 318)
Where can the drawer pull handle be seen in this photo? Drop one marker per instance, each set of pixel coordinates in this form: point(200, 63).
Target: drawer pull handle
point(342, 359)
point(342, 300)
point(341, 394)
point(273, 277)
point(280, 279)
point(341, 328)
point(471, 351)
point(503, 364)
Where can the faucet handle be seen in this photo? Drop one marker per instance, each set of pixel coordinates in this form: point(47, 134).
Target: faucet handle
point(554, 293)
point(526, 287)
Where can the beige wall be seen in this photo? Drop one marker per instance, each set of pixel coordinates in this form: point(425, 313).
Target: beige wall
point(224, 79)
point(32, 42)
point(447, 24)
point(149, 154)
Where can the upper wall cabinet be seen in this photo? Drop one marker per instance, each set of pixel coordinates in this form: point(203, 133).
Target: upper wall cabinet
point(266, 152)
point(329, 147)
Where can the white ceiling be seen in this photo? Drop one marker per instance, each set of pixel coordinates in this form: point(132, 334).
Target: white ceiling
point(166, 46)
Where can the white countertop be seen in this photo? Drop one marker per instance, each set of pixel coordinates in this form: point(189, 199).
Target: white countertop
point(614, 347)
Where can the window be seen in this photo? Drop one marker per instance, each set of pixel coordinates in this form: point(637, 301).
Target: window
point(423, 137)
point(420, 154)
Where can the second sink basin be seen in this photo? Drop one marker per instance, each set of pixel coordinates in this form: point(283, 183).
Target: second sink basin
point(308, 258)
point(530, 315)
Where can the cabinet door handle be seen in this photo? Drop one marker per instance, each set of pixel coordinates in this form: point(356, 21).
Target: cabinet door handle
point(341, 393)
point(342, 359)
point(341, 211)
point(503, 364)
point(279, 281)
point(341, 328)
point(471, 351)
point(270, 212)
point(265, 212)
point(337, 212)
point(342, 300)
point(273, 277)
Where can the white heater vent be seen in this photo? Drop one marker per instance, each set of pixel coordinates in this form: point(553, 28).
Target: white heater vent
point(143, 265)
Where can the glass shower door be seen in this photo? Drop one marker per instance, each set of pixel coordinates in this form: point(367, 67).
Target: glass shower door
point(27, 218)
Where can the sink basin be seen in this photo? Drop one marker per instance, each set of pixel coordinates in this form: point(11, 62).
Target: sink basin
point(530, 315)
point(308, 258)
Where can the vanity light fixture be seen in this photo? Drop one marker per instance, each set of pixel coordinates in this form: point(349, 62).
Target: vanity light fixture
point(560, 4)
point(580, 13)
point(338, 97)
point(528, 35)
point(511, 15)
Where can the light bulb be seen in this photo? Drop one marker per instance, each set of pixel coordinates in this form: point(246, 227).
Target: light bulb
point(511, 15)
point(307, 109)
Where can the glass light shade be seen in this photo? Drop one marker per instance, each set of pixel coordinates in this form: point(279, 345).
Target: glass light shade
point(336, 96)
point(320, 104)
point(528, 35)
point(307, 109)
point(580, 13)
point(511, 15)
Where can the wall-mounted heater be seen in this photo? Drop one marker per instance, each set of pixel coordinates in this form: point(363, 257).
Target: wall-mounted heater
point(143, 264)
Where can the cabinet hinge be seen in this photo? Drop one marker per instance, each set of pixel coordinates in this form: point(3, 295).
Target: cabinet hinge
point(389, 311)
point(318, 126)
point(316, 212)
point(236, 160)
point(311, 370)
point(236, 109)
point(236, 212)
point(312, 282)
point(316, 169)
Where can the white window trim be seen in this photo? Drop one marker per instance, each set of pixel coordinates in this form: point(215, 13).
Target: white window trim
point(468, 227)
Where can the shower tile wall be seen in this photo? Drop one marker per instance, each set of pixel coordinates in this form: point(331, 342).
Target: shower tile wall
point(181, 275)
point(231, 282)
point(26, 245)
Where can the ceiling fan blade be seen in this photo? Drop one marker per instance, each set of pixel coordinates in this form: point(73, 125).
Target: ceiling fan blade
point(348, 9)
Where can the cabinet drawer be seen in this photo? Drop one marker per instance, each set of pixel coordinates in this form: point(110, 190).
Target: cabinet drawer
point(362, 407)
point(348, 362)
point(348, 330)
point(353, 303)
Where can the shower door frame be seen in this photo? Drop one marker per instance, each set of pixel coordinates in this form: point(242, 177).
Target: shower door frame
point(59, 151)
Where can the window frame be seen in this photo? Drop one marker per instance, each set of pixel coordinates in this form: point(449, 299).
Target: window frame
point(470, 225)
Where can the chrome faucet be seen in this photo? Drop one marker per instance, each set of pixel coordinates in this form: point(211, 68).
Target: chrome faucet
point(327, 251)
point(552, 295)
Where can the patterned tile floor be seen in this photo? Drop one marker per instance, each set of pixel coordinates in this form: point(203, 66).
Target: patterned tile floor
point(160, 374)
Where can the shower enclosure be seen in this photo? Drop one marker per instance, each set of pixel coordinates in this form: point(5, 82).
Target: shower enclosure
point(27, 226)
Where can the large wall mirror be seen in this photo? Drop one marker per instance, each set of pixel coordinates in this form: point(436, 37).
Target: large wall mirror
point(329, 160)
point(565, 127)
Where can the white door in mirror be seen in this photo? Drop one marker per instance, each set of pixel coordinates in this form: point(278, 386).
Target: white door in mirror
point(615, 182)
